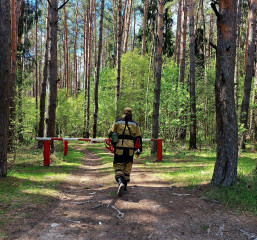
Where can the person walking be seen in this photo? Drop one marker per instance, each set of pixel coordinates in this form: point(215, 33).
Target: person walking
point(126, 139)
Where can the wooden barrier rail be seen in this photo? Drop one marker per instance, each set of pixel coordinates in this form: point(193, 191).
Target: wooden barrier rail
point(46, 141)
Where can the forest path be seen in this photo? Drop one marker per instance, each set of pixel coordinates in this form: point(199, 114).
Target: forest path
point(89, 209)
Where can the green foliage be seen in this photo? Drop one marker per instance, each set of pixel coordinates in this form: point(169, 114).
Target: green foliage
point(134, 78)
point(70, 114)
point(174, 99)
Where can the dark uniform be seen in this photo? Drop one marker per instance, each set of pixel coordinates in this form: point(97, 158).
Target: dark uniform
point(128, 133)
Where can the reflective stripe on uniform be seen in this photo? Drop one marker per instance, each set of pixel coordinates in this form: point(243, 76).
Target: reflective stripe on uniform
point(123, 122)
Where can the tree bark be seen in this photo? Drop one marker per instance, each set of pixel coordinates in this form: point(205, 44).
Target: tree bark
point(13, 76)
point(192, 142)
point(225, 170)
point(134, 29)
point(52, 95)
point(75, 53)
point(182, 130)
point(183, 44)
point(66, 52)
point(115, 25)
point(119, 39)
point(238, 55)
point(127, 25)
point(157, 89)
point(5, 77)
point(36, 59)
point(90, 8)
point(43, 86)
point(178, 35)
point(247, 39)
point(145, 24)
point(249, 69)
point(97, 70)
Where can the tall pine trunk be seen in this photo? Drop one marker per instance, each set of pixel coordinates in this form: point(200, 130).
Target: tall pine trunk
point(119, 39)
point(158, 75)
point(145, 24)
point(238, 55)
point(178, 34)
point(192, 142)
point(52, 95)
point(43, 86)
point(13, 76)
point(5, 76)
point(225, 170)
point(249, 70)
point(182, 130)
point(66, 52)
point(97, 70)
point(75, 53)
point(127, 25)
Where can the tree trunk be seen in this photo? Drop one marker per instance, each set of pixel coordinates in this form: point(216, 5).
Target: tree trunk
point(66, 51)
point(43, 86)
point(145, 24)
point(254, 106)
point(119, 38)
point(247, 39)
point(178, 34)
point(192, 143)
point(127, 25)
point(95, 42)
point(115, 25)
point(75, 53)
point(36, 63)
point(238, 37)
point(52, 95)
point(134, 29)
point(5, 76)
point(86, 130)
point(87, 118)
point(249, 69)
point(157, 89)
point(97, 70)
point(210, 38)
point(254, 109)
point(182, 130)
point(225, 170)
point(13, 76)
point(183, 44)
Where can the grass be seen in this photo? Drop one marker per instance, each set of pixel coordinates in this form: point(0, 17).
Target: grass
point(29, 183)
point(194, 169)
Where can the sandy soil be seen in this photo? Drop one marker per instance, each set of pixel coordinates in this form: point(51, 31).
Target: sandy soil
point(88, 208)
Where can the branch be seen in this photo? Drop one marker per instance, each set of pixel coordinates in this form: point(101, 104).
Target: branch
point(49, 3)
point(213, 45)
point(215, 10)
point(62, 5)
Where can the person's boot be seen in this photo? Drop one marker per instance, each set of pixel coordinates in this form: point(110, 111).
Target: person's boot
point(121, 186)
point(125, 187)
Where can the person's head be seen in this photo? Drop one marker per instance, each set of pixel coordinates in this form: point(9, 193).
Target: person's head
point(128, 113)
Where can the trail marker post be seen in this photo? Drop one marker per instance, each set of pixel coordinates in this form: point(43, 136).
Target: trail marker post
point(46, 153)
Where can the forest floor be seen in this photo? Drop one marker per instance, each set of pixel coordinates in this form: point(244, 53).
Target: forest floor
point(88, 208)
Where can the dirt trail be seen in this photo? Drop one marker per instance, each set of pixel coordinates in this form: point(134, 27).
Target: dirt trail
point(151, 210)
